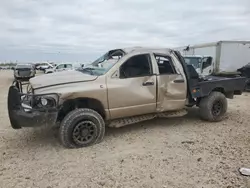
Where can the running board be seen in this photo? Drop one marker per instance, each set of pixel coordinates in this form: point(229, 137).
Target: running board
point(136, 119)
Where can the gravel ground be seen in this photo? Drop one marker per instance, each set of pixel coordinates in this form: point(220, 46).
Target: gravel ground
point(180, 152)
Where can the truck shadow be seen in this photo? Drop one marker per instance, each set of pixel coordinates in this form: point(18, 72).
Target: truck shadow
point(48, 137)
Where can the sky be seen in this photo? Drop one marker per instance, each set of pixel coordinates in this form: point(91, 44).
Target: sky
point(82, 30)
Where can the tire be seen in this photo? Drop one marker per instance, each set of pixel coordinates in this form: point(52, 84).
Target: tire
point(213, 107)
point(75, 122)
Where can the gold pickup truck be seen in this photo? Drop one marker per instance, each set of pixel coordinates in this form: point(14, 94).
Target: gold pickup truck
point(122, 87)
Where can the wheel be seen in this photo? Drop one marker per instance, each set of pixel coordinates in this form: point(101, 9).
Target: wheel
point(81, 128)
point(213, 107)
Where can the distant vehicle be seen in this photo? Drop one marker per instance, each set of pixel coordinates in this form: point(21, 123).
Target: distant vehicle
point(3, 68)
point(44, 66)
point(245, 71)
point(24, 72)
point(200, 63)
point(222, 57)
point(60, 68)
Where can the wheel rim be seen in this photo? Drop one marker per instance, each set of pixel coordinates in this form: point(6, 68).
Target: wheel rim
point(84, 132)
point(217, 108)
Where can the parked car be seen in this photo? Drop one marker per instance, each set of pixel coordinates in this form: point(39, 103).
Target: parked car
point(44, 66)
point(24, 71)
point(122, 87)
point(60, 68)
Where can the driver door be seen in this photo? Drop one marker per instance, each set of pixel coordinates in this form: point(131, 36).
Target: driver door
point(133, 92)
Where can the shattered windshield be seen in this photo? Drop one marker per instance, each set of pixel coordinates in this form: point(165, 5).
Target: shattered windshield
point(195, 61)
point(101, 65)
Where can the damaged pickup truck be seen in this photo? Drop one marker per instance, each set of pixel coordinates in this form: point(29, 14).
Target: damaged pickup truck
point(124, 86)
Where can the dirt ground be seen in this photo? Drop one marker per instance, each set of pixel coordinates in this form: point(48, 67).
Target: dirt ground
point(180, 152)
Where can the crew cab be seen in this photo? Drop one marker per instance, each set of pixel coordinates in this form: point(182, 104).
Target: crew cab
point(122, 87)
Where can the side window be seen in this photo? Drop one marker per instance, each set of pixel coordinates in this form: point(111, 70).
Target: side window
point(136, 66)
point(207, 62)
point(60, 67)
point(165, 64)
point(69, 66)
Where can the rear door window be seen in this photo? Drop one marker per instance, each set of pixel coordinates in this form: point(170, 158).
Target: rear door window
point(69, 66)
point(165, 64)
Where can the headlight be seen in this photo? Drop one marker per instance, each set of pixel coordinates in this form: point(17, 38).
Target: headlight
point(44, 102)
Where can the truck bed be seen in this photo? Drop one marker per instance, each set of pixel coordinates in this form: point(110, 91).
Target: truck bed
point(228, 86)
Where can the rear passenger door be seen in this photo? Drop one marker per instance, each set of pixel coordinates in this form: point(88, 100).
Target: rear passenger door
point(172, 88)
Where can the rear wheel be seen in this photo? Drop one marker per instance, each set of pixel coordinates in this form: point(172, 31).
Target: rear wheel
point(81, 128)
point(213, 107)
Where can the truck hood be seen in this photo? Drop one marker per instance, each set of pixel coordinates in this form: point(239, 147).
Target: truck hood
point(65, 77)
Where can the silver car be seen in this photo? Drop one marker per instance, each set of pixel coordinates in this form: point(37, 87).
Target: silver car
point(24, 72)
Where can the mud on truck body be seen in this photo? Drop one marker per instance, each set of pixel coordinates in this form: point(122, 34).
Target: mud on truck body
point(122, 87)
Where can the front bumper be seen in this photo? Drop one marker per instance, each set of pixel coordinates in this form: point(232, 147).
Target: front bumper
point(24, 76)
point(21, 116)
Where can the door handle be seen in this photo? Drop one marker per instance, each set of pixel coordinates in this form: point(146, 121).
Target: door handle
point(148, 83)
point(179, 81)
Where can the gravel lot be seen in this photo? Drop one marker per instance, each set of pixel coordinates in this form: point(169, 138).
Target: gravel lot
point(181, 152)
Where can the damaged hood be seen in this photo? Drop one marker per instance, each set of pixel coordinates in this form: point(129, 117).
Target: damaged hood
point(65, 77)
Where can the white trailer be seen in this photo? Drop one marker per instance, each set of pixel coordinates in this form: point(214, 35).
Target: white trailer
point(226, 56)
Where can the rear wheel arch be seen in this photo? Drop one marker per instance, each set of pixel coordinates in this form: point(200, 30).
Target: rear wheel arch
point(229, 94)
point(218, 89)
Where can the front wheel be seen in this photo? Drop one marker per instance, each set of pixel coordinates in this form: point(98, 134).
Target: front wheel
point(213, 107)
point(81, 128)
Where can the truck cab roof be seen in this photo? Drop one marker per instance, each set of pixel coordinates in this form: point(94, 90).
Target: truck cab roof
point(147, 49)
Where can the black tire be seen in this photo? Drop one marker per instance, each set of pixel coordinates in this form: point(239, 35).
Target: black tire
point(69, 129)
point(213, 107)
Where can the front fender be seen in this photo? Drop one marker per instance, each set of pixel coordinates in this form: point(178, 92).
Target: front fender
point(78, 90)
